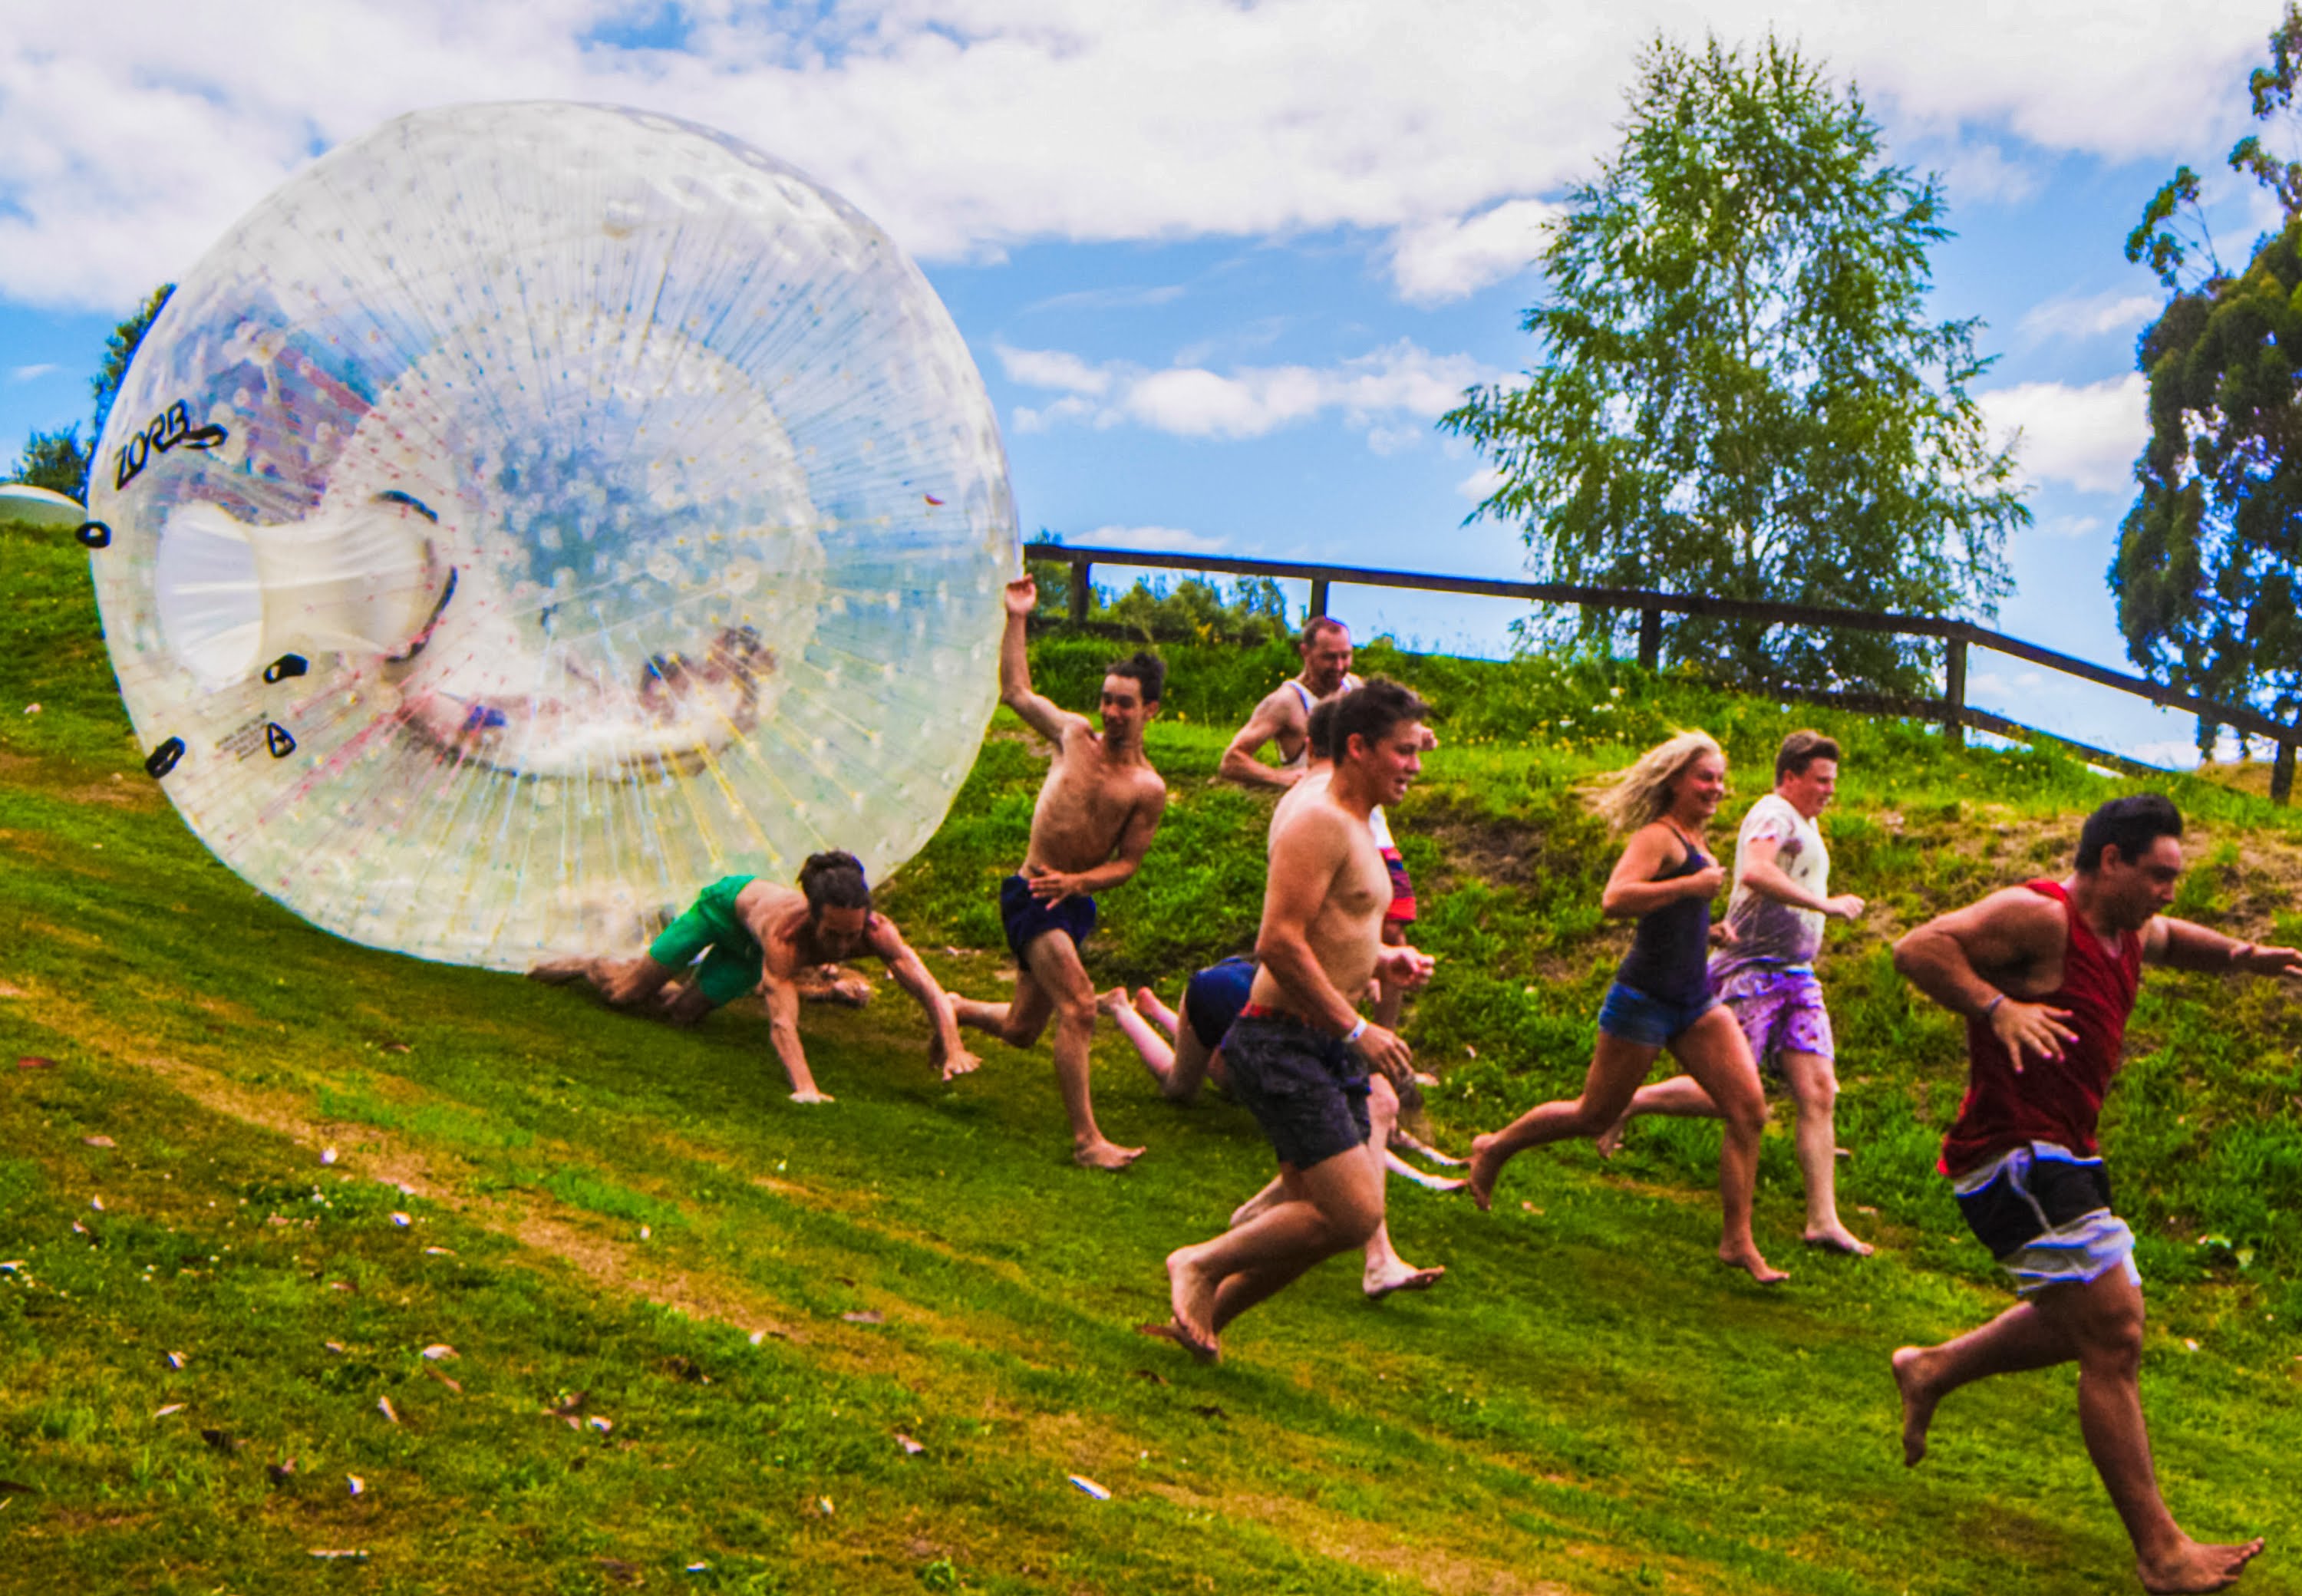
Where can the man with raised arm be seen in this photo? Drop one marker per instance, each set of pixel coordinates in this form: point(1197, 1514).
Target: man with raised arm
point(1299, 1053)
point(1096, 814)
point(1284, 715)
point(2046, 975)
point(1765, 974)
point(748, 933)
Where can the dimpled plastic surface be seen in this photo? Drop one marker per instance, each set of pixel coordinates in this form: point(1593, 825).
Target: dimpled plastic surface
point(696, 496)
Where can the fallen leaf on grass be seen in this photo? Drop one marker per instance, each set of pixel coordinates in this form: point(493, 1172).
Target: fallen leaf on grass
point(823, 1506)
point(335, 1347)
point(337, 1556)
point(448, 1381)
point(1091, 1487)
point(393, 1047)
point(33, 1061)
point(176, 1361)
point(911, 1448)
point(171, 1408)
point(327, 1156)
point(867, 1316)
point(401, 1221)
point(383, 1405)
point(358, 1486)
point(600, 1424)
point(341, 1286)
point(96, 1203)
point(99, 1141)
point(438, 1350)
point(438, 1252)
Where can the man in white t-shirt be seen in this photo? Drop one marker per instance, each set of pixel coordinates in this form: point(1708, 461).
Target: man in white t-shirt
point(1765, 972)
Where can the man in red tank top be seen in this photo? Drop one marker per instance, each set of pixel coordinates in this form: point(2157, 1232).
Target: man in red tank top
point(2046, 975)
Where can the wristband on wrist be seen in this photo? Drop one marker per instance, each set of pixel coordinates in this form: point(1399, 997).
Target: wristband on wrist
point(1354, 1033)
point(1984, 1012)
point(2240, 950)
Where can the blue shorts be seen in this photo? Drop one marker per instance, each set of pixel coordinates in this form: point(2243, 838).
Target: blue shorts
point(2044, 1212)
point(1028, 918)
point(1305, 1087)
point(1630, 1015)
point(1214, 997)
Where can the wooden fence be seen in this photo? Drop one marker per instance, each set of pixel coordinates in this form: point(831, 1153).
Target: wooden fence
point(1952, 709)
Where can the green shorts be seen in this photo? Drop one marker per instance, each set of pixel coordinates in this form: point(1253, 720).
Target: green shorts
point(733, 962)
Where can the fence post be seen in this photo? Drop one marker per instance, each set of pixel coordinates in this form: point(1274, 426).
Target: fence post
point(1954, 691)
point(2281, 776)
point(1079, 589)
point(1318, 597)
point(1650, 639)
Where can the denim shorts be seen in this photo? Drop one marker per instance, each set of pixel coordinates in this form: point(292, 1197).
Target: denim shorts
point(1630, 1015)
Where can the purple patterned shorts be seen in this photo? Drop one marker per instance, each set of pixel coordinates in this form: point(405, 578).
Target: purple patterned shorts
point(1780, 1011)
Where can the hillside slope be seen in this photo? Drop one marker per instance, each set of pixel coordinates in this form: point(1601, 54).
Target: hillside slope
point(602, 1215)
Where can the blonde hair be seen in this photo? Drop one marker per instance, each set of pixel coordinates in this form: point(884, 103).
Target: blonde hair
point(1642, 795)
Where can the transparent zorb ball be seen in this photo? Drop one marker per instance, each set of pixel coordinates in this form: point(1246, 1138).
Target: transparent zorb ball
point(532, 513)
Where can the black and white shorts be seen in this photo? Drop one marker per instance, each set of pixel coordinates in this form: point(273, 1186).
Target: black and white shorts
point(2044, 1212)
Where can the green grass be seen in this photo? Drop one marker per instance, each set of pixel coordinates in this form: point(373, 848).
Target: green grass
point(1587, 1403)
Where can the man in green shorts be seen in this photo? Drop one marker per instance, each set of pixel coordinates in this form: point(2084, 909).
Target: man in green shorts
point(742, 933)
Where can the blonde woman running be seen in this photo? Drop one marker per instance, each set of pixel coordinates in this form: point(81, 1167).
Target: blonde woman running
point(1661, 996)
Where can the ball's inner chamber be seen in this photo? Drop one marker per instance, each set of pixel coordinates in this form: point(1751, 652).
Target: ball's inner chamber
point(587, 564)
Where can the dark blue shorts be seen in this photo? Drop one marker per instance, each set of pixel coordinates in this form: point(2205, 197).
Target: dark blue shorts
point(1630, 1015)
point(1028, 918)
point(1305, 1089)
point(1214, 997)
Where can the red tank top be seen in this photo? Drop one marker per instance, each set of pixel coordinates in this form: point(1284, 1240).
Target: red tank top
point(2055, 1100)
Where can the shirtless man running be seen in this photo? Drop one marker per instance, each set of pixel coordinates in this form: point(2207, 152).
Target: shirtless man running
point(1284, 715)
point(752, 933)
point(1299, 1053)
point(1094, 821)
point(2046, 975)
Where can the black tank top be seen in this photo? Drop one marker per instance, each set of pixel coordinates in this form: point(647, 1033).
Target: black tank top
point(1670, 951)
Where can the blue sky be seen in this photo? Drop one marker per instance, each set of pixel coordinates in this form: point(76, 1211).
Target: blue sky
point(1221, 266)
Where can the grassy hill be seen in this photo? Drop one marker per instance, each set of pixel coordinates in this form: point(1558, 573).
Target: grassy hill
point(691, 1320)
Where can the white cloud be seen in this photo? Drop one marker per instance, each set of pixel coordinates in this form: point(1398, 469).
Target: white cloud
point(970, 126)
point(2070, 526)
point(2084, 437)
point(2174, 753)
point(26, 373)
point(1165, 540)
point(1482, 483)
point(1052, 368)
point(1450, 257)
point(2089, 317)
point(1378, 393)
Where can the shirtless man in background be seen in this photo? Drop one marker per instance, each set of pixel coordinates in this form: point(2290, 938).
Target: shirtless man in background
point(1299, 1053)
point(1096, 813)
point(749, 933)
point(1284, 715)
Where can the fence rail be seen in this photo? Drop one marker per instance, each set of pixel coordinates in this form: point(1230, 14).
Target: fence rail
point(1957, 636)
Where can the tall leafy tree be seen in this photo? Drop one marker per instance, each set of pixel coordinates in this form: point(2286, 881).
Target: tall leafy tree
point(1740, 391)
point(119, 350)
point(60, 461)
point(2209, 558)
point(56, 461)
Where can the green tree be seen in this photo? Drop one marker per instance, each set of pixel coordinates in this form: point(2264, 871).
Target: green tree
point(119, 350)
point(2205, 574)
point(1740, 392)
point(56, 461)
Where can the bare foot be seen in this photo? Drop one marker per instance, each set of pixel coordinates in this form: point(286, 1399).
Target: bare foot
point(1609, 1141)
point(1484, 1167)
point(1100, 1154)
point(1919, 1399)
point(2198, 1566)
point(1191, 1297)
point(1173, 1332)
point(1403, 1140)
point(1398, 1276)
point(950, 1063)
point(1761, 1270)
point(1838, 1239)
point(559, 972)
point(1148, 1002)
point(1113, 1001)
